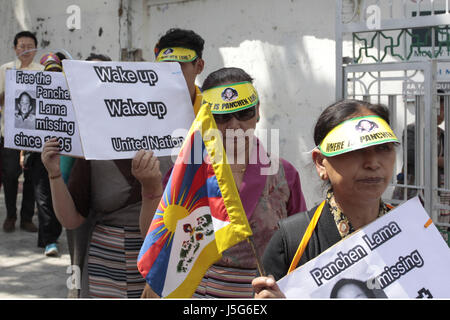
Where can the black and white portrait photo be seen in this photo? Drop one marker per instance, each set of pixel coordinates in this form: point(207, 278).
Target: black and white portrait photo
point(25, 112)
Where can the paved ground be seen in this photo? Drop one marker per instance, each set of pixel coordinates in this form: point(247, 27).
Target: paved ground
point(25, 272)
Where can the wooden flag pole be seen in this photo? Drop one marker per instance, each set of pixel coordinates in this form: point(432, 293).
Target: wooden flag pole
point(259, 265)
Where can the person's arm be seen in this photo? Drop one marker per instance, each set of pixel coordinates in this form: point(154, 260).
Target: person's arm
point(145, 168)
point(63, 204)
point(274, 259)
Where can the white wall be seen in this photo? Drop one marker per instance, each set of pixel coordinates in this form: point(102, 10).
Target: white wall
point(286, 45)
point(99, 30)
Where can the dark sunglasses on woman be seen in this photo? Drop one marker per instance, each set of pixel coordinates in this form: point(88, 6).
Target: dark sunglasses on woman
point(242, 115)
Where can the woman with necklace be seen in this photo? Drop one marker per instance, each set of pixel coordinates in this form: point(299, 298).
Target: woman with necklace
point(357, 168)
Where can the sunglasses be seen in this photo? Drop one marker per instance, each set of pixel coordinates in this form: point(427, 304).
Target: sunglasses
point(242, 115)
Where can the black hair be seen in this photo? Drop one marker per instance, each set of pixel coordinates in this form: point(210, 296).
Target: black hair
point(101, 57)
point(61, 56)
point(25, 34)
point(341, 111)
point(225, 75)
point(360, 284)
point(176, 37)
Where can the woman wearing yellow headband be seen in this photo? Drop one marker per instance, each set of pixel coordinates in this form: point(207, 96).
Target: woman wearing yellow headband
point(355, 155)
point(267, 195)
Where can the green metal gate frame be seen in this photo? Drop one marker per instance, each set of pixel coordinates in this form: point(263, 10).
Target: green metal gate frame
point(400, 47)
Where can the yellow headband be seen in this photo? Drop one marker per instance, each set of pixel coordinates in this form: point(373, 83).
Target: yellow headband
point(230, 97)
point(357, 133)
point(176, 54)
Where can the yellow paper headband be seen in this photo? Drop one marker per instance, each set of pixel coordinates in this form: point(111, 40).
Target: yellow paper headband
point(230, 97)
point(176, 54)
point(357, 133)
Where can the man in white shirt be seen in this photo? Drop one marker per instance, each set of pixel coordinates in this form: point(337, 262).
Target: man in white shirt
point(25, 44)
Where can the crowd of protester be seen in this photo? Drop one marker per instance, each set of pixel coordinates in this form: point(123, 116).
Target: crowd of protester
point(106, 206)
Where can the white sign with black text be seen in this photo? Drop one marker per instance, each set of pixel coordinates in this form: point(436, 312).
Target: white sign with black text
point(122, 107)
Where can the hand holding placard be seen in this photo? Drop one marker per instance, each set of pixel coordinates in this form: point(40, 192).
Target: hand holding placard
point(123, 107)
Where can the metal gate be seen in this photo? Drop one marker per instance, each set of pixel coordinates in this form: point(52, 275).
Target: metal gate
point(397, 53)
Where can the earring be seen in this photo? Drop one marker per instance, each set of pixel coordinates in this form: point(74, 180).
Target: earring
point(322, 176)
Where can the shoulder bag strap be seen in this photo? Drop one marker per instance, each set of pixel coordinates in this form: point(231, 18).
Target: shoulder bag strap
point(308, 233)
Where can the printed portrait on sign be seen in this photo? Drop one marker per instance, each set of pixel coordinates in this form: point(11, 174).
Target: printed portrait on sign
point(25, 111)
point(229, 94)
point(365, 125)
point(355, 289)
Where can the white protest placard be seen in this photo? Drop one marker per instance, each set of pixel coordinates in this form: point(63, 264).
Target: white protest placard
point(122, 107)
point(37, 108)
point(397, 256)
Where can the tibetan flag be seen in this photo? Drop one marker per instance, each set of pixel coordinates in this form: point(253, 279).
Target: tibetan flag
point(200, 215)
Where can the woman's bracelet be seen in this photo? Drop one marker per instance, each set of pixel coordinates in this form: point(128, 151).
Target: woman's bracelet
point(55, 177)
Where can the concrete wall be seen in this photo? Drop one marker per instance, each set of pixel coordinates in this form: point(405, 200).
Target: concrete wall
point(99, 30)
point(286, 45)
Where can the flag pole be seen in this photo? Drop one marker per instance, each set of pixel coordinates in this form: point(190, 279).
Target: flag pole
point(259, 265)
